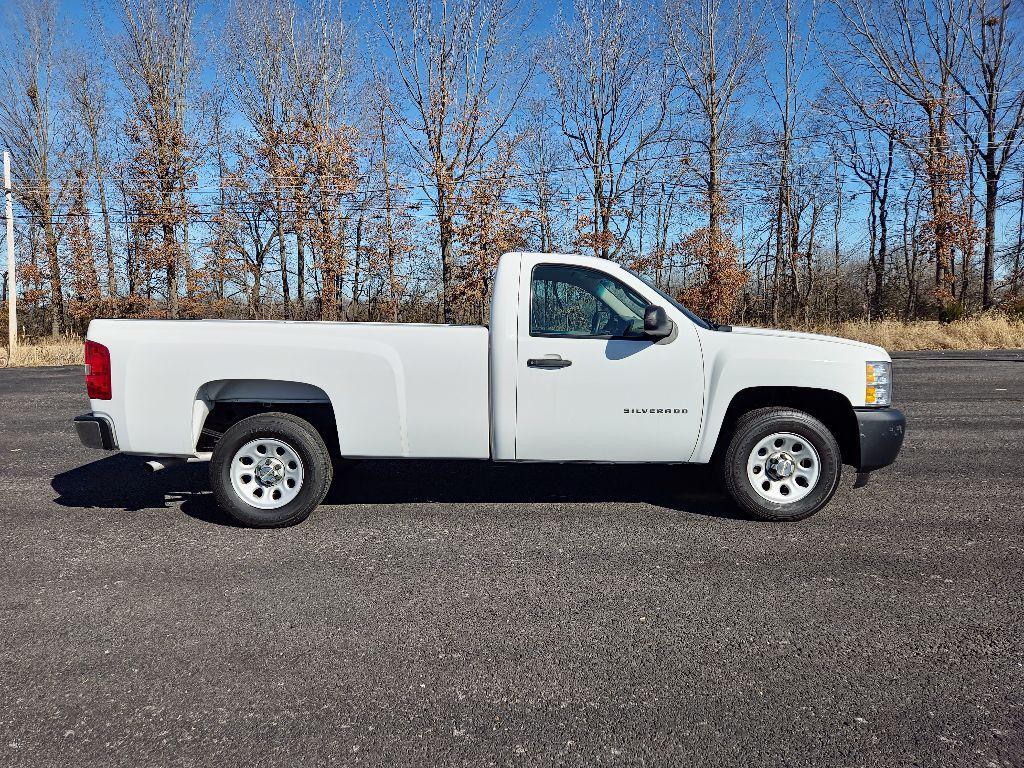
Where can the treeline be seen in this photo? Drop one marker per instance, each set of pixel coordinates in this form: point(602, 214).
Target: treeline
point(790, 162)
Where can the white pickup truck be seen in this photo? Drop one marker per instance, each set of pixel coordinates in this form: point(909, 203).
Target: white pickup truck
point(584, 361)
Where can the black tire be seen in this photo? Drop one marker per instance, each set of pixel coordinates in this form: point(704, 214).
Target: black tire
point(752, 428)
point(303, 438)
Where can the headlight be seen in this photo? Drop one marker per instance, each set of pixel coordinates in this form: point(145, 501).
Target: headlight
point(878, 383)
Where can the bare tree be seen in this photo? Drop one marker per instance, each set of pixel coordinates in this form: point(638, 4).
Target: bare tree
point(252, 236)
point(258, 39)
point(156, 63)
point(28, 122)
point(390, 240)
point(837, 220)
point(868, 150)
point(993, 83)
point(87, 87)
point(912, 245)
point(787, 91)
point(613, 95)
point(224, 222)
point(542, 155)
point(914, 47)
point(461, 72)
point(660, 196)
point(322, 154)
point(489, 228)
point(1015, 253)
point(660, 137)
point(81, 247)
point(714, 48)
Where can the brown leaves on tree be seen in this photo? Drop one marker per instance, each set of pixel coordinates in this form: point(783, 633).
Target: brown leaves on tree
point(720, 277)
point(292, 188)
point(489, 228)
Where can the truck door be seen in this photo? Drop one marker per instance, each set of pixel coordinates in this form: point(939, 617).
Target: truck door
point(590, 385)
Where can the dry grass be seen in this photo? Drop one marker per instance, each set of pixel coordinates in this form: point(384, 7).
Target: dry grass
point(44, 352)
point(989, 331)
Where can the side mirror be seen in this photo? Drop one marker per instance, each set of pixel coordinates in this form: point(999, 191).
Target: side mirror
point(656, 322)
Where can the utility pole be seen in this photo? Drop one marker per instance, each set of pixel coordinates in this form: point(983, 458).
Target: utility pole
point(12, 282)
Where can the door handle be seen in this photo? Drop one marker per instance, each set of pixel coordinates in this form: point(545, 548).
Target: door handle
point(548, 362)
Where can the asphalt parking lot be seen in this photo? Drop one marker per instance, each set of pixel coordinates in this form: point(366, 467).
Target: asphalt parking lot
point(459, 613)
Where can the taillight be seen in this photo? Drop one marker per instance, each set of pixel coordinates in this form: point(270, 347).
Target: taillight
point(97, 371)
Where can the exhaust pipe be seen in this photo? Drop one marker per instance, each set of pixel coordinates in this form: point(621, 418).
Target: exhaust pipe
point(163, 462)
point(155, 465)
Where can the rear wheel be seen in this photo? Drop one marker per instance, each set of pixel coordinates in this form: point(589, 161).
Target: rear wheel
point(270, 470)
point(781, 464)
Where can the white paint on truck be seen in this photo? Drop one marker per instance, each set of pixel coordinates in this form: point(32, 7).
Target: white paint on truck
point(436, 391)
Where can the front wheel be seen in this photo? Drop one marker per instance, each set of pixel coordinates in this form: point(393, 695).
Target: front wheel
point(270, 470)
point(781, 464)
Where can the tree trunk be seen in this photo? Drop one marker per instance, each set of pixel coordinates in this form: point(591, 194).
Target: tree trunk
point(129, 245)
point(357, 268)
point(836, 222)
point(282, 256)
point(991, 202)
point(171, 255)
point(937, 169)
point(57, 317)
point(714, 188)
point(445, 238)
point(300, 267)
point(872, 248)
point(108, 240)
point(186, 254)
point(389, 226)
point(1019, 252)
point(779, 246)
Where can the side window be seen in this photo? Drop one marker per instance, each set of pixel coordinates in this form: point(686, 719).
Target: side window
point(576, 301)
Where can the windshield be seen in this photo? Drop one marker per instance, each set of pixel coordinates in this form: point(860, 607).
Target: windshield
point(650, 284)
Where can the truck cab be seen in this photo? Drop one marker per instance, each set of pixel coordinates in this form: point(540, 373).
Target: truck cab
point(579, 374)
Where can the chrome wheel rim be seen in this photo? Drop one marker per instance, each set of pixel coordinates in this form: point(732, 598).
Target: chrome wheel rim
point(783, 468)
point(266, 473)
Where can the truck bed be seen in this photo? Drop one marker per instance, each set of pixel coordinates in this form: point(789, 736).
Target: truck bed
point(406, 390)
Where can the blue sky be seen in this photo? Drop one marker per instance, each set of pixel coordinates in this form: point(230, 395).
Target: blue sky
point(80, 15)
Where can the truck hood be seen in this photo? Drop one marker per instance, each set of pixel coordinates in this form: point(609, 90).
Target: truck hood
point(764, 357)
point(811, 337)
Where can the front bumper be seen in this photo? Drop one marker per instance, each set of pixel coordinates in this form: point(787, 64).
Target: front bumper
point(881, 433)
point(95, 431)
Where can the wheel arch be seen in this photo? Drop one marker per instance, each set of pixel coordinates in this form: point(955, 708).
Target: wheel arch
point(831, 408)
point(221, 403)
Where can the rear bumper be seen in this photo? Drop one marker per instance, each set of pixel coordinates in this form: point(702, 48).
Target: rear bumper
point(95, 431)
point(881, 433)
